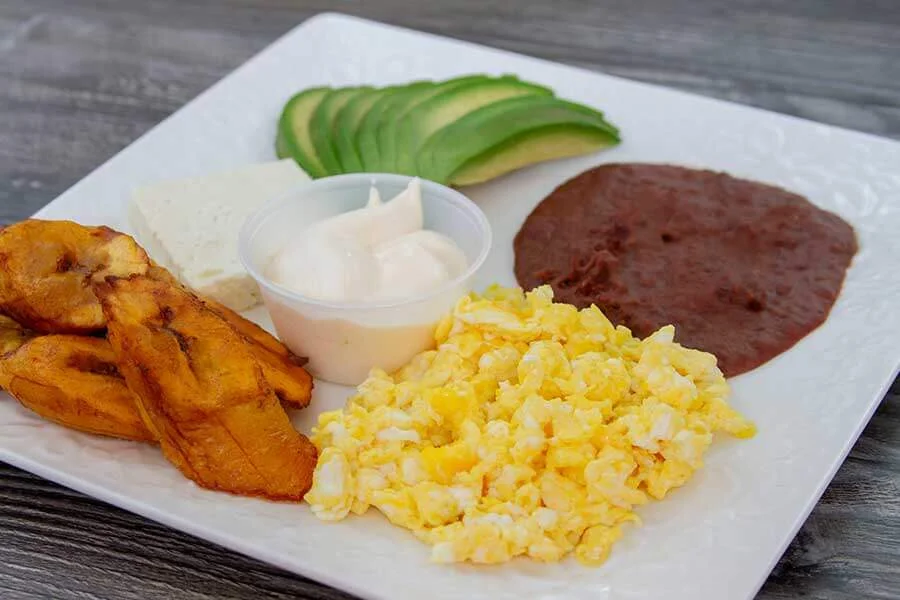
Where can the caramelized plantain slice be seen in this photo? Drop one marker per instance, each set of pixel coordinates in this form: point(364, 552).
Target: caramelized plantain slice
point(202, 392)
point(282, 368)
point(12, 335)
point(74, 381)
point(46, 270)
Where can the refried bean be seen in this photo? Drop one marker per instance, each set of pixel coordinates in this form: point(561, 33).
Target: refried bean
point(743, 270)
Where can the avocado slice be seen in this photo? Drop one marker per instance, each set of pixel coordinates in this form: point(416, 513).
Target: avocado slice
point(367, 134)
point(538, 145)
point(510, 134)
point(347, 123)
point(321, 126)
point(294, 139)
point(450, 106)
point(389, 128)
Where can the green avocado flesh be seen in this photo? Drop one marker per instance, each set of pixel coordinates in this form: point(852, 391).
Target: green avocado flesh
point(491, 133)
point(391, 122)
point(346, 125)
point(460, 131)
point(367, 134)
point(322, 124)
point(445, 108)
point(539, 145)
point(294, 138)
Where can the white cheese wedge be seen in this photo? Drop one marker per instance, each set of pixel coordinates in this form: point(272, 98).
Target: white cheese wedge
point(191, 226)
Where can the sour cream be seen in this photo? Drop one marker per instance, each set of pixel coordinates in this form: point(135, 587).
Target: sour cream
point(379, 253)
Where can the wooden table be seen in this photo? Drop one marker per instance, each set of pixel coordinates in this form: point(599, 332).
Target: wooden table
point(79, 80)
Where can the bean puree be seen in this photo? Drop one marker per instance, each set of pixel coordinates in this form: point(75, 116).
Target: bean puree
point(742, 269)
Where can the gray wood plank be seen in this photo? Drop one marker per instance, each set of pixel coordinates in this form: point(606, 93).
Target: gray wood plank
point(82, 79)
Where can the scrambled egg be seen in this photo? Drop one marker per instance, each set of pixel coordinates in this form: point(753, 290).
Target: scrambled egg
point(533, 429)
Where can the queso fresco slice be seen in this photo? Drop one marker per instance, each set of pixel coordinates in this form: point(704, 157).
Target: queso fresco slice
point(511, 134)
point(451, 105)
point(322, 125)
point(294, 140)
point(191, 226)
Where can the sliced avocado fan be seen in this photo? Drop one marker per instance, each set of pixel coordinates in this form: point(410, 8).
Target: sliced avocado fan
point(389, 144)
point(460, 131)
point(322, 125)
point(347, 123)
point(450, 106)
point(531, 147)
point(510, 134)
point(367, 134)
point(294, 140)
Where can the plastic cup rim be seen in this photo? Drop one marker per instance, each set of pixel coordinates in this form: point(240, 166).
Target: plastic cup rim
point(363, 180)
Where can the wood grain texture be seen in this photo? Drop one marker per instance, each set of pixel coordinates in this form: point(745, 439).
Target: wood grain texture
point(82, 79)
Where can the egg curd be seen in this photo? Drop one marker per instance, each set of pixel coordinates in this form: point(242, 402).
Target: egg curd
point(533, 429)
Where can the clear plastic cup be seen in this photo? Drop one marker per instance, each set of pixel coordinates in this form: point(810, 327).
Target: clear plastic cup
point(343, 340)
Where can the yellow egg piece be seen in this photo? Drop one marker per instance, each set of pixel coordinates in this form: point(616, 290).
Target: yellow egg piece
point(532, 429)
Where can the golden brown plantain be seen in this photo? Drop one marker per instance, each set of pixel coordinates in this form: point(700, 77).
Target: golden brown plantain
point(46, 270)
point(12, 335)
point(202, 392)
point(73, 381)
point(282, 368)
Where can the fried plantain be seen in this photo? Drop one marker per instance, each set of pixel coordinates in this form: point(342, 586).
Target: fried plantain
point(202, 392)
point(46, 270)
point(282, 368)
point(12, 335)
point(74, 381)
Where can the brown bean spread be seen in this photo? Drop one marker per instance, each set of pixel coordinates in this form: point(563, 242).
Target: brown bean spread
point(742, 269)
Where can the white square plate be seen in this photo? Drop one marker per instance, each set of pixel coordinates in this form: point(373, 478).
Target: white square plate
point(719, 536)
